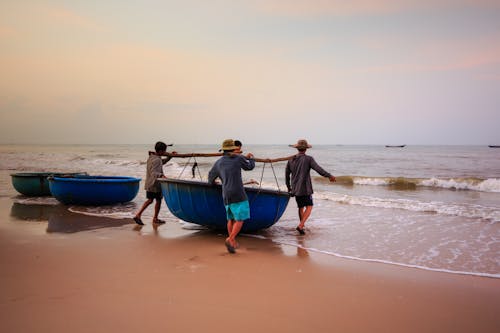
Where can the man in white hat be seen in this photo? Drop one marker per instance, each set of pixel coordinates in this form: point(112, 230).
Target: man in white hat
point(228, 169)
point(298, 180)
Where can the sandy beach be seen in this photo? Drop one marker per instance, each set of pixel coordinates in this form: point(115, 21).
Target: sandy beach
point(64, 272)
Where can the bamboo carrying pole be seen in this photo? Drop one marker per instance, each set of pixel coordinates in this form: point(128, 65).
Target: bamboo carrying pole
point(263, 160)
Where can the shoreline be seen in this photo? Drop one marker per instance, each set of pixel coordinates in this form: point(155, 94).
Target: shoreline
point(98, 274)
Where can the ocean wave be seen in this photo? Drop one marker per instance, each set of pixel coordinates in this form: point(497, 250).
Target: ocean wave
point(77, 158)
point(404, 183)
point(491, 214)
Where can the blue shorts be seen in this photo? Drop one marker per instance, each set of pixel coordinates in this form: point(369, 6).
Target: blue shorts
point(238, 211)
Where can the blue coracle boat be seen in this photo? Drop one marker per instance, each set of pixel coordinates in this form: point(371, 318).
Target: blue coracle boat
point(201, 203)
point(35, 184)
point(94, 190)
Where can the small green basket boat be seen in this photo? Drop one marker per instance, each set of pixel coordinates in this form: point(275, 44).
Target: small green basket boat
point(35, 184)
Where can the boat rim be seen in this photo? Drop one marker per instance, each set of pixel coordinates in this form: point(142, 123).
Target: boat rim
point(96, 179)
point(206, 184)
point(45, 174)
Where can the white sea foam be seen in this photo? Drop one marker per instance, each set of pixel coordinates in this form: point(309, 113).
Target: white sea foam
point(44, 201)
point(490, 275)
point(458, 209)
point(102, 213)
point(471, 184)
point(487, 185)
point(339, 255)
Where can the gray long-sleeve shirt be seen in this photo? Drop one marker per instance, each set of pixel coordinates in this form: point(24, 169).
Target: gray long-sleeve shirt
point(299, 167)
point(228, 169)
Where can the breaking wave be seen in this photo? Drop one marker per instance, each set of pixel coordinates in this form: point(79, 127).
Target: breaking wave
point(491, 214)
point(404, 183)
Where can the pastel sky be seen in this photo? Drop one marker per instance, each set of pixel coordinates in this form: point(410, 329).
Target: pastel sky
point(263, 71)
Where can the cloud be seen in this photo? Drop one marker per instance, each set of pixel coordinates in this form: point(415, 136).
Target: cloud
point(440, 56)
point(321, 8)
point(35, 20)
point(66, 17)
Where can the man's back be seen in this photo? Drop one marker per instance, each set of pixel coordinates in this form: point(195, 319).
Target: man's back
point(299, 168)
point(228, 169)
point(154, 170)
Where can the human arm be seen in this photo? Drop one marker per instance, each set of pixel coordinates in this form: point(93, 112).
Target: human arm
point(168, 158)
point(315, 166)
point(288, 171)
point(247, 162)
point(213, 174)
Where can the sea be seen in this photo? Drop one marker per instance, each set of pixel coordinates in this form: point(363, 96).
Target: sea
point(427, 207)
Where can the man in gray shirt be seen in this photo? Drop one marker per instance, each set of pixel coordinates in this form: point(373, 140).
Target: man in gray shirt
point(228, 169)
point(298, 180)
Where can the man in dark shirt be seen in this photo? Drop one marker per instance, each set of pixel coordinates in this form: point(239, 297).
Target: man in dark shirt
point(228, 169)
point(154, 170)
point(300, 186)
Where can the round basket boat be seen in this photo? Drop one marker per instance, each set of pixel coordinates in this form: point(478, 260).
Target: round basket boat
point(94, 190)
point(35, 184)
point(201, 203)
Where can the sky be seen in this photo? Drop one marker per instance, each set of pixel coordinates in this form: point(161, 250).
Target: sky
point(262, 71)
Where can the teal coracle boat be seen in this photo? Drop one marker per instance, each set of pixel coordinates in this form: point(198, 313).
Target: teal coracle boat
point(35, 184)
point(201, 203)
point(94, 190)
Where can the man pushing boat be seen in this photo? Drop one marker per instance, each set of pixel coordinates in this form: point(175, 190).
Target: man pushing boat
point(228, 170)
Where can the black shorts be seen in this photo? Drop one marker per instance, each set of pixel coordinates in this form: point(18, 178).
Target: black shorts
point(153, 195)
point(304, 200)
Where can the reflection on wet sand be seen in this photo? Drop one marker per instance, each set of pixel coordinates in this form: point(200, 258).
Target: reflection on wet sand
point(61, 220)
point(68, 222)
point(179, 233)
point(33, 212)
point(301, 249)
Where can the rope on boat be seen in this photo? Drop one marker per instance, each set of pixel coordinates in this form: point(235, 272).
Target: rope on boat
point(195, 166)
point(185, 165)
point(261, 160)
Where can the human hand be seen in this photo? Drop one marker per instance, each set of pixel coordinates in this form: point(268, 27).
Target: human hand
point(249, 155)
point(332, 179)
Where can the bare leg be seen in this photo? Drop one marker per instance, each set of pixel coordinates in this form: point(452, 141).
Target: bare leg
point(237, 225)
point(143, 208)
point(230, 224)
point(301, 212)
point(157, 212)
point(305, 215)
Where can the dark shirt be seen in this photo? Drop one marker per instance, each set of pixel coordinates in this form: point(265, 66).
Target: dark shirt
point(228, 169)
point(299, 168)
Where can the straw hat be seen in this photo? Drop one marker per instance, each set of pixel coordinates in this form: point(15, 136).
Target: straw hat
point(228, 144)
point(301, 144)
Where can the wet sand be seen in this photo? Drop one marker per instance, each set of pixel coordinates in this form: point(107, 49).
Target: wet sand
point(63, 272)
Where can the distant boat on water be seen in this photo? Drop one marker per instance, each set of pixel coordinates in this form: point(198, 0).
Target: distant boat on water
point(395, 146)
point(494, 146)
